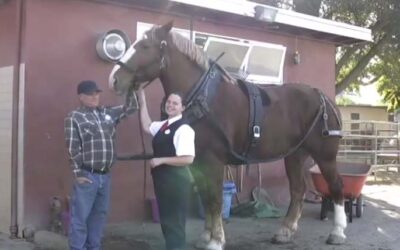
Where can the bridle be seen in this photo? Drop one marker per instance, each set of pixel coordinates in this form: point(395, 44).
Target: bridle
point(160, 61)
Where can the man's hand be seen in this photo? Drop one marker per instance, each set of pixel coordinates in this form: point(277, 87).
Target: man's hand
point(82, 180)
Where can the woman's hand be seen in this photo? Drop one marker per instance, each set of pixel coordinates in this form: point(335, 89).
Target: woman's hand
point(144, 113)
point(156, 162)
point(177, 161)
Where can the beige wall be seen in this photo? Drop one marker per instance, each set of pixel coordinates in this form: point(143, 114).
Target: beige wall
point(6, 78)
point(367, 113)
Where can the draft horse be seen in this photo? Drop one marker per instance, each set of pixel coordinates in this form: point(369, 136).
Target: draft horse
point(293, 126)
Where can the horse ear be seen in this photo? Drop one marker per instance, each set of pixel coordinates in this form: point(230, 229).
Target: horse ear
point(163, 31)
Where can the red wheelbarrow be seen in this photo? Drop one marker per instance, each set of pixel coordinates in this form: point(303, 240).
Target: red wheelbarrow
point(354, 176)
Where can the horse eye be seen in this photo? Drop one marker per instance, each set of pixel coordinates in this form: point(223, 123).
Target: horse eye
point(144, 45)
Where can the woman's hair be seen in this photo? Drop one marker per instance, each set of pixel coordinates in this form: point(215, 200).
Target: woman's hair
point(163, 114)
point(180, 94)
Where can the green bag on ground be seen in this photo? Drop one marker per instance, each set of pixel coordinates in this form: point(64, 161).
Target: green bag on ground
point(261, 206)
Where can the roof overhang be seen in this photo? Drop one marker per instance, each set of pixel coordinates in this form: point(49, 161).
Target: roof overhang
point(286, 20)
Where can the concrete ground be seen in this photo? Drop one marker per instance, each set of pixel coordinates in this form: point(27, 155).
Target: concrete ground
point(377, 229)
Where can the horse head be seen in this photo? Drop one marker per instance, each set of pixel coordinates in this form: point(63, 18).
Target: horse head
point(142, 62)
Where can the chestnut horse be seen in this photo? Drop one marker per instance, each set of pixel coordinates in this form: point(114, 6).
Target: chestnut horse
point(294, 117)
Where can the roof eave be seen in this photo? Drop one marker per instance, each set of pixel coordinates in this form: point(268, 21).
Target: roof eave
point(339, 33)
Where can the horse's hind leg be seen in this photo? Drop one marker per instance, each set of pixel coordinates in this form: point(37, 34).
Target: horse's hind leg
point(331, 175)
point(294, 165)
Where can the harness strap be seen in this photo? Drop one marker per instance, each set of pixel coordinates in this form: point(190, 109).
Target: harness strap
point(200, 85)
point(256, 116)
point(326, 131)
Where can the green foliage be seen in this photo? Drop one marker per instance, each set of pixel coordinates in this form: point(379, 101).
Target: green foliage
point(383, 18)
point(376, 61)
point(344, 101)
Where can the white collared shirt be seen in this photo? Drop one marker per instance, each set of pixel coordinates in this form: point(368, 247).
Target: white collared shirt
point(183, 137)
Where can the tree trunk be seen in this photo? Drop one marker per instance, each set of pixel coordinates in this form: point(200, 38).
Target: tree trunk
point(360, 66)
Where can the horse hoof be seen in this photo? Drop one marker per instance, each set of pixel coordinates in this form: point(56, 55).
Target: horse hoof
point(201, 244)
point(334, 239)
point(214, 245)
point(204, 240)
point(283, 236)
point(280, 239)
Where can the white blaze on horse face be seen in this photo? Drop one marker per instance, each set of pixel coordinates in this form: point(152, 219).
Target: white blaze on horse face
point(111, 77)
point(340, 222)
point(125, 58)
point(129, 53)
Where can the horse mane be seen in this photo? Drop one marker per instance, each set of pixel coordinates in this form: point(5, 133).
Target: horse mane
point(193, 52)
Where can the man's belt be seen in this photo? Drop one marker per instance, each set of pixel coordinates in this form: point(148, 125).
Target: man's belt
point(95, 171)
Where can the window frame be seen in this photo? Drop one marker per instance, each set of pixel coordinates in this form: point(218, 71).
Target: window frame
point(222, 40)
point(255, 78)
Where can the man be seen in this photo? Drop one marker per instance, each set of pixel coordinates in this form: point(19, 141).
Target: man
point(90, 138)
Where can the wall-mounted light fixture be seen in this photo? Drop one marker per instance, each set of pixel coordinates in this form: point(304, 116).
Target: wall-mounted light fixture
point(296, 57)
point(112, 45)
point(265, 13)
point(296, 54)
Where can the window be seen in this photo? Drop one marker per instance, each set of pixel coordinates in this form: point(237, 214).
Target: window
point(258, 62)
point(354, 117)
point(391, 117)
point(234, 53)
point(265, 63)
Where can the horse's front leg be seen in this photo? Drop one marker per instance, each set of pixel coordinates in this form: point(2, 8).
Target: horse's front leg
point(210, 188)
point(295, 173)
point(205, 236)
point(217, 241)
point(213, 236)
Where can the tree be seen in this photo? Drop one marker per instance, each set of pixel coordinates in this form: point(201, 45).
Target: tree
point(376, 61)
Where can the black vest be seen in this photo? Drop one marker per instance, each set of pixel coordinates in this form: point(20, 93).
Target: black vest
point(163, 144)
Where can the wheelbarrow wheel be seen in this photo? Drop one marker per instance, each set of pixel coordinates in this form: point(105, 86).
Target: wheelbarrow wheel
point(324, 208)
point(359, 206)
point(348, 205)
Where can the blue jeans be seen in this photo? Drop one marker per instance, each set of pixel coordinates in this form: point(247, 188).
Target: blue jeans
point(89, 208)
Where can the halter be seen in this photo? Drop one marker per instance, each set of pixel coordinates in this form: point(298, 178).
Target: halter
point(162, 61)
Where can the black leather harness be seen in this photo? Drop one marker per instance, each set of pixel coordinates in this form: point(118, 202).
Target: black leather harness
point(197, 107)
point(205, 90)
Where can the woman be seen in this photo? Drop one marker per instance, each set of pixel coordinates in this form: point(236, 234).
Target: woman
point(173, 148)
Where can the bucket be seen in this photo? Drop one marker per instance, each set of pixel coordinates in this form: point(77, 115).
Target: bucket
point(65, 218)
point(155, 214)
point(229, 190)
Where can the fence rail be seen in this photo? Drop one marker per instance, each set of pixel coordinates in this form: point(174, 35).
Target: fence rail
point(371, 142)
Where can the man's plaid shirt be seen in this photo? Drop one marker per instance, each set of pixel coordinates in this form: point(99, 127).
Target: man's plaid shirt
point(90, 135)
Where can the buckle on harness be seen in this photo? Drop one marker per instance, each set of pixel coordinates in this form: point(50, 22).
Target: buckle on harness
point(256, 131)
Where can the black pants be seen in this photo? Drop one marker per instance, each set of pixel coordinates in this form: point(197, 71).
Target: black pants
point(172, 187)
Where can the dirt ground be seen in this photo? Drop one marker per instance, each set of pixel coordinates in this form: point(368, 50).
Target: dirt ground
point(377, 229)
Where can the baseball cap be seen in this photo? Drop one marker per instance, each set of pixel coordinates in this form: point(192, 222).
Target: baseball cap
point(87, 87)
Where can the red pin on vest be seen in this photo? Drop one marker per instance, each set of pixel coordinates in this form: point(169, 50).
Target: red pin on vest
point(164, 126)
